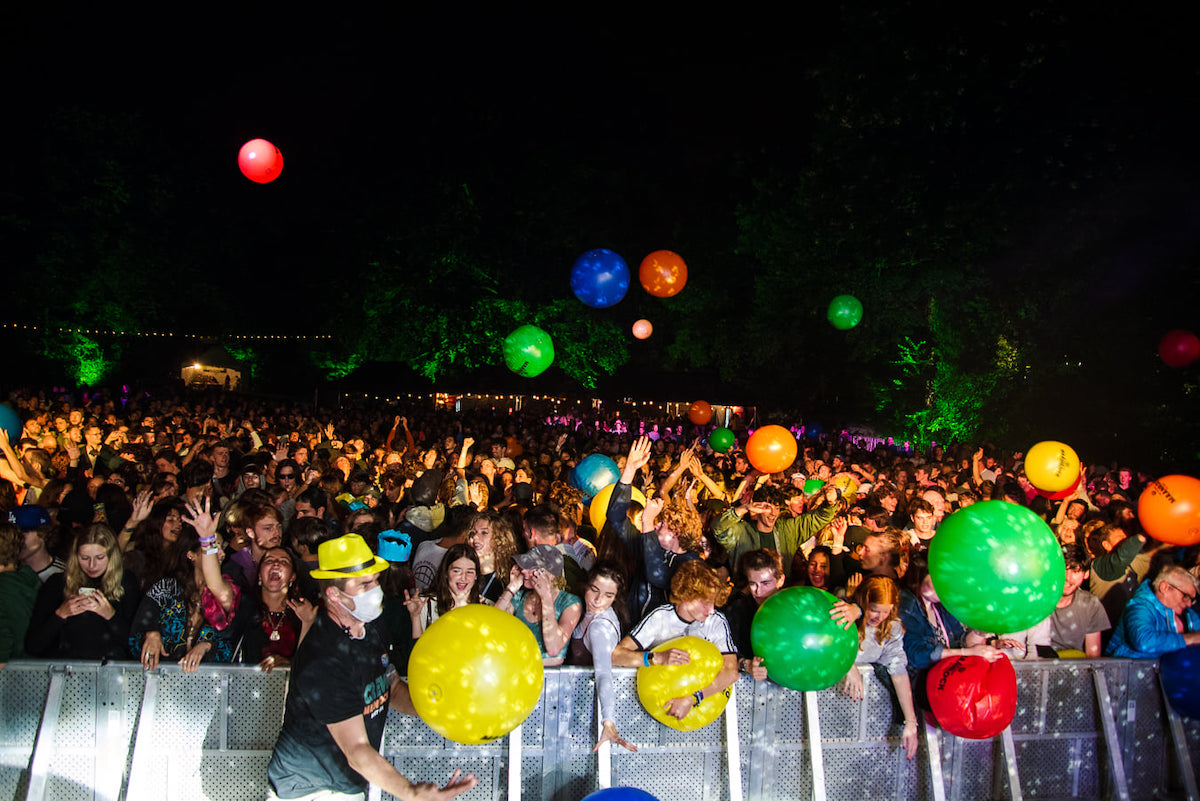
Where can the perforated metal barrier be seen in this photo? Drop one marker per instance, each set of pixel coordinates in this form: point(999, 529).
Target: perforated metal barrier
point(1083, 729)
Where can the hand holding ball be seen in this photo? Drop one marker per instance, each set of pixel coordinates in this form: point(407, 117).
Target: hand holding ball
point(971, 697)
point(801, 646)
point(997, 567)
point(658, 685)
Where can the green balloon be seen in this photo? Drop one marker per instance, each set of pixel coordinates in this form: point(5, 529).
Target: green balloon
point(528, 351)
point(812, 485)
point(801, 647)
point(845, 312)
point(721, 440)
point(997, 567)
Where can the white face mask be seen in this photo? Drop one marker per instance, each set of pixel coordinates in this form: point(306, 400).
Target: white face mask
point(367, 606)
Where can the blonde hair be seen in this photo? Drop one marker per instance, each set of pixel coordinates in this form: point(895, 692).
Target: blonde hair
point(110, 582)
point(684, 522)
point(695, 581)
point(504, 544)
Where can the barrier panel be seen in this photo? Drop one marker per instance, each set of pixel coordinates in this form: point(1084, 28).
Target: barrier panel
point(1083, 729)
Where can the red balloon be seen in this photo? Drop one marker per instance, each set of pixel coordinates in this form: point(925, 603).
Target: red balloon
point(1179, 348)
point(260, 161)
point(663, 273)
point(971, 697)
point(771, 449)
point(1169, 510)
point(642, 329)
point(700, 413)
point(1066, 493)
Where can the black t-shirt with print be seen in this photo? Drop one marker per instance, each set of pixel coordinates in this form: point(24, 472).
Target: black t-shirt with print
point(333, 679)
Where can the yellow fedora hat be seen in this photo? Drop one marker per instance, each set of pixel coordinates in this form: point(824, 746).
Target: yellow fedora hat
point(345, 557)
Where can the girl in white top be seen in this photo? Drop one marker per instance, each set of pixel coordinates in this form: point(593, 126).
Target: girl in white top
point(596, 636)
point(881, 642)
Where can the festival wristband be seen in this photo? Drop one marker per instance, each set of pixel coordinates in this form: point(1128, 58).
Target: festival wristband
point(698, 697)
point(646, 658)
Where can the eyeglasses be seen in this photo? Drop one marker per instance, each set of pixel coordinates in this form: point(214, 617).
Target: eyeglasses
point(1191, 596)
point(287, 475)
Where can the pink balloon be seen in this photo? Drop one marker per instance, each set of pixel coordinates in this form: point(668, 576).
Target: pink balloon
point(642, 329)
point(1179, 348)
point(260, 161)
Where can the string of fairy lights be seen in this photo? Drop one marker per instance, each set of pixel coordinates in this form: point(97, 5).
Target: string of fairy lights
point(455, 401)
point(161, 334)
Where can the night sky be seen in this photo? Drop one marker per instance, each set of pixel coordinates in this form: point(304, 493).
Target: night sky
point(620, 129)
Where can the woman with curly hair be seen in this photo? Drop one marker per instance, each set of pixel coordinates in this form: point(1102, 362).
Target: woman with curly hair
point(669, 535)
point(87, 611)
point(491, 536)
point(881, 645)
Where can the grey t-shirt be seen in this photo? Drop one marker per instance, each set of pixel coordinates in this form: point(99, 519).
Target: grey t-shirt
point(425, 563)
point(1069, 625)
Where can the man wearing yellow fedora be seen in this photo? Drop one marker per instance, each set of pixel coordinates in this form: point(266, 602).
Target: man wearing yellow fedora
point(341, 687)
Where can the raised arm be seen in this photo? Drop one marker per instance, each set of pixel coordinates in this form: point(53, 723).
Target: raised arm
point(197, 515)
point(14, 462)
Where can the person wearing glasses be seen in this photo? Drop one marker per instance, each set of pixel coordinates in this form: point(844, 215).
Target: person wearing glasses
point(1159, 617)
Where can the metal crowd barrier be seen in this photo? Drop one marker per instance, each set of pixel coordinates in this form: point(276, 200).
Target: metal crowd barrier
point(1084, 729)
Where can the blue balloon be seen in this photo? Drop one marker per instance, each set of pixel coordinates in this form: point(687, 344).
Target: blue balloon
point(600, 278)
point(1180, 673)
point(594, 473)
point(620, 794)
point(11, 423)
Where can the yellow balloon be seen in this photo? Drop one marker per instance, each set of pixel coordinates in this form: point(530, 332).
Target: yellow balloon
point(475, 674)
point(598, 511)
point(846, 483)
point(657, 685)
point(1051, 466)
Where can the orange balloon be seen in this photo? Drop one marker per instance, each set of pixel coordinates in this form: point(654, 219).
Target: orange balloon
point(1169, 510)
point(700, 413)
point(663, 273)
point(642, 329)
point(771, 449)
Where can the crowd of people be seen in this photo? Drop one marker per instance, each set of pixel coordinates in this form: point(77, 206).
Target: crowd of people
point(224, 528)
